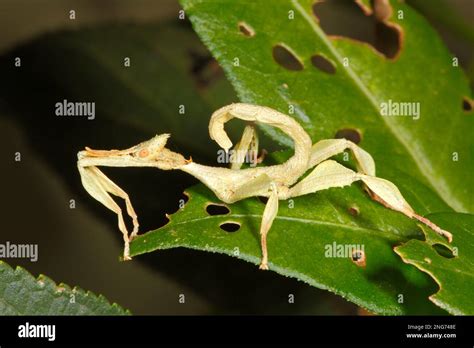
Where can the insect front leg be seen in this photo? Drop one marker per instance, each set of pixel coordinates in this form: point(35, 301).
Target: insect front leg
point(100, 187)
point(296, 165)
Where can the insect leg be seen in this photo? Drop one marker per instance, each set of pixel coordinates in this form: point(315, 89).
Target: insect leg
point(332, 174)
point(100, 187)
point(387, 193)
point(248, 145)
point(269, 214)
point(325, 149)
point(325, 175)
point(261, 185)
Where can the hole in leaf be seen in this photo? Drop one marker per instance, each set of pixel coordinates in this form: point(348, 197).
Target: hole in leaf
point(443, 251)
point(467, 104)
point(230, 226)
point(323, 64)
point(342, 18)
point(182, 202)
point(353, 210)
point(358, 257)
point(263, 199)
point(285, 58)
point(246, 29)
point(217, 209)
point(349, 134)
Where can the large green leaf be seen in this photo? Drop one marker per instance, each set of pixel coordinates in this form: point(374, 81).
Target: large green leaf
point(22, 294)
point(452, 265)
point(304, 228)
point(352, 96)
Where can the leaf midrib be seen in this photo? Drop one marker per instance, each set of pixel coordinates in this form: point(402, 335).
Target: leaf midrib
point(370, 231)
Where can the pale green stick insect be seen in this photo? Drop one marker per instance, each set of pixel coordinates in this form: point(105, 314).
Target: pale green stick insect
point(277, 182)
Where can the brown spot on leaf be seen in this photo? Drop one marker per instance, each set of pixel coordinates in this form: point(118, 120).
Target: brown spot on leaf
point(358, 257)
point(354, 210)
point(349, 134)
point(323, 64)
point(286, 58)
point(246, 29)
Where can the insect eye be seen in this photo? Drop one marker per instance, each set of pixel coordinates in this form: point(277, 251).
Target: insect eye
point(143, 153)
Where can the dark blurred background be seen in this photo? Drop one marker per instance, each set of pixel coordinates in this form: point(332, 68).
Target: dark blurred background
point(82, 59)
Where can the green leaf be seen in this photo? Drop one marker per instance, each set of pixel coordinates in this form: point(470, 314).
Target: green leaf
point(304, 229)
point(22, 294)
point(451, 265)
point(351, 97)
